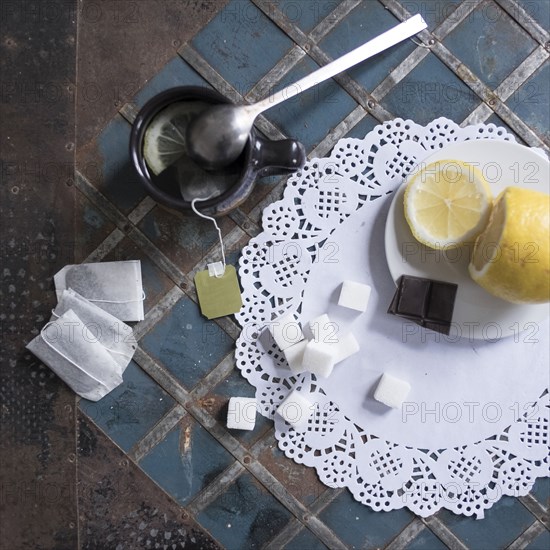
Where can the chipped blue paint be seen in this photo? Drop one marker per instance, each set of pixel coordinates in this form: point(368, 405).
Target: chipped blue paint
point(490, 43)
point(186, 461)
point(242, 44)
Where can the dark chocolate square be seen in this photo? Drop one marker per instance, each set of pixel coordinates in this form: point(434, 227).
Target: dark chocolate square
point(413, 296)
point(442, 301)
point(426, 302)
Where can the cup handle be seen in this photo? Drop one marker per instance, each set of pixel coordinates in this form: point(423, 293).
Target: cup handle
point(278, 157)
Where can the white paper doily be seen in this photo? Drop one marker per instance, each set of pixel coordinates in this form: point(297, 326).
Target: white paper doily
point(476, 423)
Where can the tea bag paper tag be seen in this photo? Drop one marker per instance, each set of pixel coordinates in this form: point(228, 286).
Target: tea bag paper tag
point(216, 269)
point(218, 295)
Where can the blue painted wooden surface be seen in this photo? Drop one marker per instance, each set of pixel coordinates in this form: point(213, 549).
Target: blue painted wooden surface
point(239, 47)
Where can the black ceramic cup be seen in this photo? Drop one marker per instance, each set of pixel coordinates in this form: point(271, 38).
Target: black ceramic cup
point(233, 184)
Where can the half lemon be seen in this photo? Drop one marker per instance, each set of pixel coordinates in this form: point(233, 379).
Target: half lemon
point(511, 258)
point(447, 203)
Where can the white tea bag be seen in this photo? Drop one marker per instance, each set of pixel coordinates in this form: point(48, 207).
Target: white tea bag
point(115, 287)
point(74, 354)
point(116, 336)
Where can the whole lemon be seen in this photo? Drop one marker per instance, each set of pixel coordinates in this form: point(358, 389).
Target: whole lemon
point(511, 257)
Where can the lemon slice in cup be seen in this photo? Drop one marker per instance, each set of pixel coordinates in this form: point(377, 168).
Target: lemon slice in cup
point(511, 258)
point(164, 140)
point(447, 203)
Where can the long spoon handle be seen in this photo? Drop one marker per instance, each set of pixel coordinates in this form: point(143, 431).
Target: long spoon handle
point(372, 47)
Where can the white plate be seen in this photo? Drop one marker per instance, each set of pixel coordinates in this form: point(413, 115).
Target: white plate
point(477, 314)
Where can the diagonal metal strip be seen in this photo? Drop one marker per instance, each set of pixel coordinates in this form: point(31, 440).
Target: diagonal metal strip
point(173, 387)
point(537, 509)
point(265, 86)
point(521, 73)
point(108, 244)
point(443, 533)
point(485, 93)
point(407, 535)
point(163, 262)
point(99, 200)
point(340, 12)
point(245, 222)
point(285, 535)
point(141, 210)
point(528, 536)
point(522, 129)
point(283, 22)
point(338, 132)
point(510, 85)
point(157, 434)
point(191, 56)
point(480, 114)
point(158, 312)
point(515, 11)
point(129, 112)
point(215, 489)
point(400, 72)
point(215, 376)
point(162, 377)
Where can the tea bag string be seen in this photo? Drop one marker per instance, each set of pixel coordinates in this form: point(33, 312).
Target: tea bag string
point(64, 356)
point(194, 208)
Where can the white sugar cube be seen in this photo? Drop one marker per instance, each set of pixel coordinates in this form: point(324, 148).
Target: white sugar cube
point(295, 355)
point(354, 295)
point(347, 346)
point(296, 410)
point(319, 358)
point(241, 413)
point(286, 331)
point(392, 391)
point(323, 329)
